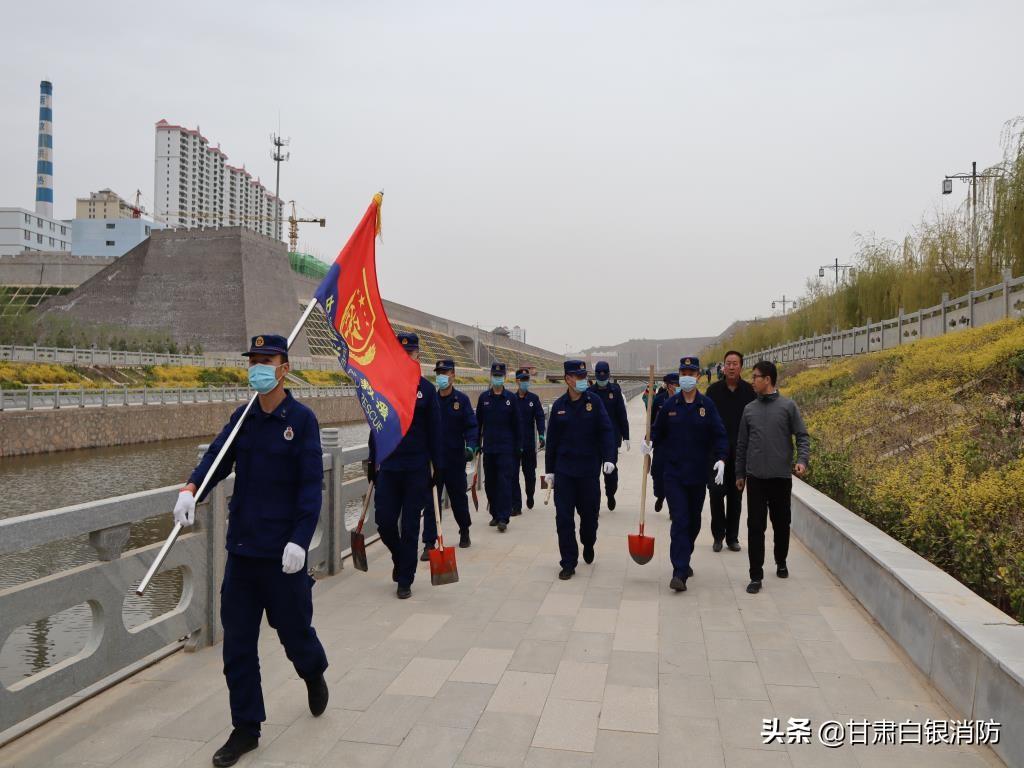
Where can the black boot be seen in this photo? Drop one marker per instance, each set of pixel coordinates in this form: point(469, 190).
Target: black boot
point(717, 546)
point(394, 573)
point(566, 573)
point(677, 584)
point(464, 539)
point(425, 557)
point(317, 695)
point(658, 502)
point(529, 501)
point(494, 522)
point(588, 553)
point(611, 503)
point(404, 592)
point(689, 571)
point(238, 743)
point(502, 527)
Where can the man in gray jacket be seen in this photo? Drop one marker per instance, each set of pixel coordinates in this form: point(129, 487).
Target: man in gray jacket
point(764, 464)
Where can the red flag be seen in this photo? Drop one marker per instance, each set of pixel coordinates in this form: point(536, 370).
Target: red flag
point(386, 378)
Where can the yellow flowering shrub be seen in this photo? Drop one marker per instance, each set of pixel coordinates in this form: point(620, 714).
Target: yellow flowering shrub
point(926, 442)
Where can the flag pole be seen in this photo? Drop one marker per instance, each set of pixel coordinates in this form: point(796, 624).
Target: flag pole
point(173, 535)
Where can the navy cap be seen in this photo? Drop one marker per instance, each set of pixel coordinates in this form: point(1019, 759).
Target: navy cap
point(498, 369)
point(444, 365)
point(670, 378)
point(689, 364)
point(410, 341)
point(523, 374)
point(601, 370)
point(267, 344)
point(575, 367)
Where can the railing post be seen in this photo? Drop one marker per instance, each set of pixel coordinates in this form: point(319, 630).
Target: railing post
point(29, 405)
point(56, 397)
point(81, 395)
point(334, 526)
point(970, 309)
point(945, 300)
point(126, 394)
point(1007, 277)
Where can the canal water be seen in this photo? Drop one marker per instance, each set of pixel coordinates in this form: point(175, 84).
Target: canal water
point(48, 481)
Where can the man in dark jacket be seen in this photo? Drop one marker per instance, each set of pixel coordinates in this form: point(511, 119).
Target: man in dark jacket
point(730, 395)
point(764, 466)
point(690, 435)
point(500, 438)
point(404, 481)
point(274, 509)
point(670, 382)
point(580, 446)
point(611, 398)
point(531, 429)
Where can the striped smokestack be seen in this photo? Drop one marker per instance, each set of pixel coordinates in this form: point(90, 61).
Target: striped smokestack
point(44, 165)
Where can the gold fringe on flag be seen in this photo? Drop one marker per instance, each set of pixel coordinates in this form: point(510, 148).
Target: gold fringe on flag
point(379, 200)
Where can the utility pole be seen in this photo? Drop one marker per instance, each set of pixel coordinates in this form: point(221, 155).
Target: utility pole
point(837, 267)
point(972, 178)
point(784, 301)
point(278, 156)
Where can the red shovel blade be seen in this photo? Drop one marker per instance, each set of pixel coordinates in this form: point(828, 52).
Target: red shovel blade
point(476, 499)
point(359, 552)
point(443, 569)
point(641, 548)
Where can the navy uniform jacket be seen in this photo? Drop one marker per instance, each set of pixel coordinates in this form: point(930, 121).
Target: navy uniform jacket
point(498, 417)
point(458, 424)
point(611, 398)
point(279, 472)
point(531, 413)
point(659, 400)
point(580, 437)
point(422, 443)
point(687, 436)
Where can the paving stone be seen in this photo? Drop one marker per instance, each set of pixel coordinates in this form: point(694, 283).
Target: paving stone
point(482, 665)
point(634, 669)
point(569, 725)
point(579, 681)
point(619, 748)
point(596, 620)
point(308, 740)
point(500, 740)
point(556, 604)
point(521, 693)
point(592, 647)
point(419, 626)
point(433, 746)
point(422, 677)
point(388, 720)
point(538, 656)
point(628, 708)
point(458, 705)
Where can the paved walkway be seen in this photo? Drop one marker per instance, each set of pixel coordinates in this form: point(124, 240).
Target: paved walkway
point(512, 667)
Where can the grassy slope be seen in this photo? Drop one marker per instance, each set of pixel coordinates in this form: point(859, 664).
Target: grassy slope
point(925, 441)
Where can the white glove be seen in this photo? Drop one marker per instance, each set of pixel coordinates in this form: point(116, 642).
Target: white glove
point(551, 480)
point(608, 468)
point(185, 509)
point(626, 443)
point(646, 447)
point(719, 472)
point(293, 559)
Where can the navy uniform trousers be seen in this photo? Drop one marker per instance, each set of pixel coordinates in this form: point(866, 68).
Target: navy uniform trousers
point(575, 495)
point(251, 586)
point(685, 504)
point(658, 475)
point(453, 480)
point(401, 496)
point(500, 483)
point(611, 481)
point(527, 463)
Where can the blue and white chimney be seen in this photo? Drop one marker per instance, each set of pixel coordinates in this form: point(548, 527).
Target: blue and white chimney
point(44, 165)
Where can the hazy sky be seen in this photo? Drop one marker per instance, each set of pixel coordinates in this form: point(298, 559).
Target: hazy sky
point(592, 171)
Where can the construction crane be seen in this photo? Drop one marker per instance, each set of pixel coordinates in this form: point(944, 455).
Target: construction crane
point(293, 227)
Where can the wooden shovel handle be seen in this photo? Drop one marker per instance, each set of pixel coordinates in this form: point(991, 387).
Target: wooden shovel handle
point(647, 459)
point(366, 506)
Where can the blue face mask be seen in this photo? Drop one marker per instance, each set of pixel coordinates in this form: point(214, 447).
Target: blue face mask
point(687, 383)
point(442, 380)
point(581, 385)
point(497, 381)
point(602, 382)
point(263, 378)
point(524, 386)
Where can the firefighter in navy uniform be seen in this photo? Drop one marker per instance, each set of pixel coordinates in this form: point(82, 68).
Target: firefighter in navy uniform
point(403, 481)
point(497, 413)
point(610, 395)
point(531, 418)
point(278, 465)
point(459, 428)
point(691, 435)
point(671, 384)
point(580, 446)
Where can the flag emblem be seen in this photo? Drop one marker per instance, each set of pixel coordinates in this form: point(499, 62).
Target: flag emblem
point(357, 324)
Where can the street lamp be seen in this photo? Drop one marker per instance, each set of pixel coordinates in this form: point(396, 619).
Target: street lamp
point(947, 189)
point(784, 301)
point(837, 267)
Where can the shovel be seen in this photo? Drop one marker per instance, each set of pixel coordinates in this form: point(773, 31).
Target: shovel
point(476, 475)
point(358, 540)
point(443, 569)
point(641, 548)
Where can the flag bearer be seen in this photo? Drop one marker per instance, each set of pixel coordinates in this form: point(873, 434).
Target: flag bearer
point(274, 510)
point(671, 385)
point(611, 398)
point(580, 445)
point(497, 413)
point(690, 434)
point(531, 417)
point(403, 480)
point(459, 430)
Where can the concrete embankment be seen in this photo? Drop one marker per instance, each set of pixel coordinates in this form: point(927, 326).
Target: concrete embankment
point(39, 431)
